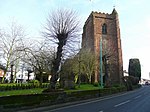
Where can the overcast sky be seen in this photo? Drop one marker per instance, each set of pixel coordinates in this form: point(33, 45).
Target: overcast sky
point(134, 16)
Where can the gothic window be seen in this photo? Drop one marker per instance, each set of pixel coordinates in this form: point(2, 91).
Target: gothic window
point(104, 29)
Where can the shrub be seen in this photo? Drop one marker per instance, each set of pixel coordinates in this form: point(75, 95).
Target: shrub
point(135, 68)
point(11, 86)
point(45, 85)
point(114, 90)
point(26, 100)
point(128, 82)
point(36, 83)
point(96, 84)
point(116, 85)
point(57, 86)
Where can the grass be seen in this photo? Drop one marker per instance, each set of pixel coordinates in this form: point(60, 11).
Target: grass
point(84, 87)
point(21, 92)
point(39, 90)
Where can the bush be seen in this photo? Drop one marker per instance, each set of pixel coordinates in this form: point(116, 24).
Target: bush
point(57, 86)
point(96, 84)
point(26, 100)
point(130, 81)
point(116, 85)
point(36, 83)
point(84, 94)
point(12, 86)
point(45, 85)
point(114, 90)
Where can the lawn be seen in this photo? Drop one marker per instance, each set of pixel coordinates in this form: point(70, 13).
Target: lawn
point(84, 87)
point(21, 92)
point(39, 90)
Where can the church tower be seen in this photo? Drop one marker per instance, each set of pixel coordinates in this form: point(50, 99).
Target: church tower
point(103, 26)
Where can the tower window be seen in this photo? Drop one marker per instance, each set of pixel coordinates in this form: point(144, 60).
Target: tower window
point(104, 29)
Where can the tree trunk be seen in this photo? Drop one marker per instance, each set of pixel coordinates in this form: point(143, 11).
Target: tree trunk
point(89, 77)
point(41, 78)
point(28, 76)
point(56, 62)
point(11, 76)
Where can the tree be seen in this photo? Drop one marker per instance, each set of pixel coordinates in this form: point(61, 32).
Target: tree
point(11, 41)
point(83, 63)
point(40, 58)
point(88, 61)
point(134, 68)
point(62, 28)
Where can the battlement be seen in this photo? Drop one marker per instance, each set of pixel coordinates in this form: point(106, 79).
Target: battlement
point(101, 15)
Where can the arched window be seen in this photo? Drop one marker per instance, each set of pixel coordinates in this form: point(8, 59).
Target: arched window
point(104, 29)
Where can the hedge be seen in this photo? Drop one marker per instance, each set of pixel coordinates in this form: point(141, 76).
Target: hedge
point(51, 98)
point(95, 93)
point(8, 87)
point(26, 100)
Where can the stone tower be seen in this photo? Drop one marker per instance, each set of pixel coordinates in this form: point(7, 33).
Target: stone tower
point(106, 27)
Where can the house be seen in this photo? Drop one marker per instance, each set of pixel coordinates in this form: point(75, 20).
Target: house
point(2, 68)
point(21, 76)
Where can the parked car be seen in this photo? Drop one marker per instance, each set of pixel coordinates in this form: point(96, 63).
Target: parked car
point(146, 83)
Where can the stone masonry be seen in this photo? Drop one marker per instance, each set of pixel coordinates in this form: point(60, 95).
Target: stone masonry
point(106, 26)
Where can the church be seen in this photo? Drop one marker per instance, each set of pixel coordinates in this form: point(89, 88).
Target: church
point(103, 27)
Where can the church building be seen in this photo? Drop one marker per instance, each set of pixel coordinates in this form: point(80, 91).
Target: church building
point(104, 27)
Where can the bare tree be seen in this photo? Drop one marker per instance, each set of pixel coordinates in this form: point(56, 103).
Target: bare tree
point(11, 40)
point(88, 63)
point(83, 63)
point(40, 58)
point(62, 28)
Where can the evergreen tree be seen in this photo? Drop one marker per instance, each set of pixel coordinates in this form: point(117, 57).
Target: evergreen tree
point(134, 68)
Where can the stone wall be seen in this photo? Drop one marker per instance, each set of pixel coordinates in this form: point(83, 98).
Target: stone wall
point(92, 33)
